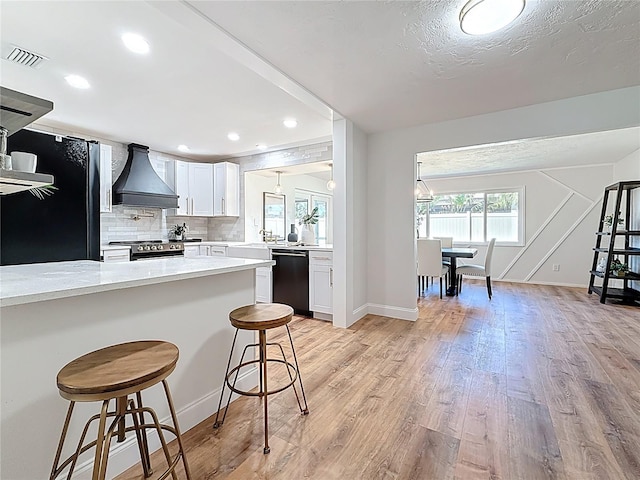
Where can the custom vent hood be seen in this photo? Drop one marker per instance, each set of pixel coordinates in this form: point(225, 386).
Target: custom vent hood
point(140, 185)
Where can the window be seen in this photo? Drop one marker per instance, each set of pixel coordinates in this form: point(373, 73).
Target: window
point(307, 201)
point(474, 217)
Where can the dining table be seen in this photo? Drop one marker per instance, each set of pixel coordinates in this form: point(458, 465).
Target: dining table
point(453, 254)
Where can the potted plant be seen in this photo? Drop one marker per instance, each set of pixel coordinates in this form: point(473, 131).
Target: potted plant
point(618, 268)
point(307, 235)
point(178, 231)
point(608, 220)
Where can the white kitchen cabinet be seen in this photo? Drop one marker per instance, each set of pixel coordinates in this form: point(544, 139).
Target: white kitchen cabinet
point(191, 251)
point(321, 282)
point(193, 183)
point(106, 178)
point(226, 191)
point(263, 274)
point(263, 284)
point(116, 255)
point(213, 251)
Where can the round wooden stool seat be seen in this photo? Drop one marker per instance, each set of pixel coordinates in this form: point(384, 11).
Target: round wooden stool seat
point(261, 316)
point(117, 370)
point(112, 374)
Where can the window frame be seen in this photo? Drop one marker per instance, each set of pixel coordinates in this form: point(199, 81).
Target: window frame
point(488, 191)
point(309, 196)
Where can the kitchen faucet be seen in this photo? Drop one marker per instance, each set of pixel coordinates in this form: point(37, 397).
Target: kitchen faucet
point(267, 235)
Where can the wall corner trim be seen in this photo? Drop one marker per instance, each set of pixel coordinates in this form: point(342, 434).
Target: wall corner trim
point(401, 313)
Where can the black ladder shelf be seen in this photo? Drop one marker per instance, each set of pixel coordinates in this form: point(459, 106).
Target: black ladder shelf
point(628, 294)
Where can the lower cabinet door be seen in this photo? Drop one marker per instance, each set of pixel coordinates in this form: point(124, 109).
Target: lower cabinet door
point(263, 284)
point(321, 288)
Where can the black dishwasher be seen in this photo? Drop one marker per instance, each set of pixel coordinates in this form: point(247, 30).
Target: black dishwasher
point(291, 279)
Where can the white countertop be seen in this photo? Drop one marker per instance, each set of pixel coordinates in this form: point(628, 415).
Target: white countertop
point(20, 284)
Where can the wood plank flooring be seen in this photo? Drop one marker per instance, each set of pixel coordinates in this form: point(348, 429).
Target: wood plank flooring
point(538, 383)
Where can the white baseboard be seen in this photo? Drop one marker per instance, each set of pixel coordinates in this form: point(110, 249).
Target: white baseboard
point(126, 454)
point(323, 316)
point(537, 282)
point(402, 313)
point(358, 313)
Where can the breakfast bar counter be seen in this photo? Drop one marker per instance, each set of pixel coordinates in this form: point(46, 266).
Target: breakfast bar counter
point(52, 313)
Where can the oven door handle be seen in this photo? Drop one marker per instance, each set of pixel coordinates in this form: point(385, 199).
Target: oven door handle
point(278, 254)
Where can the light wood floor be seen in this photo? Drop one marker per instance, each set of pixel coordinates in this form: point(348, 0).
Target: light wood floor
point(538, 383)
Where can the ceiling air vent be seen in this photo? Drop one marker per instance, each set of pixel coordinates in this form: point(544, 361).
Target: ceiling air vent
point(25, 57)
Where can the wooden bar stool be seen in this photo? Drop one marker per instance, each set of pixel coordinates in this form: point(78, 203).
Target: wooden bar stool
point(114, 373)
point(262, 317)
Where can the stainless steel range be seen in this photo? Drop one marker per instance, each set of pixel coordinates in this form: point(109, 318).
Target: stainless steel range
point(146, 249)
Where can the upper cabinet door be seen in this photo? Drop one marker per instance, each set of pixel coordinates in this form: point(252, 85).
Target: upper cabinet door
point(226, 202)
point(106, 179)
point(201, 189)
point(181, 187)
point(193, 183)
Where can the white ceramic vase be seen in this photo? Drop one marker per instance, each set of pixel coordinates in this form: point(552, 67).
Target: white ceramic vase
point(307, 235)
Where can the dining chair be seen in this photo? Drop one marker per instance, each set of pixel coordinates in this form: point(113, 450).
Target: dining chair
point(447, 242)
point(430, 261)
point(478, 270)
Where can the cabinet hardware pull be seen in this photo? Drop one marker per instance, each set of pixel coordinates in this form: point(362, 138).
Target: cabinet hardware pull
point(277, 254)
point(109, 199)
point(321, 258)
point(331, 277)
point(223, 205)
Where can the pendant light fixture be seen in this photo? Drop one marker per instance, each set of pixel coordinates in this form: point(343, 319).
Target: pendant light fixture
point(278, 188)
point(331, 184)
point(479, 17)
point(423, 193)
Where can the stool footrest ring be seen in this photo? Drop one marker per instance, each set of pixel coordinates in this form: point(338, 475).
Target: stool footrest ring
point(291, 367)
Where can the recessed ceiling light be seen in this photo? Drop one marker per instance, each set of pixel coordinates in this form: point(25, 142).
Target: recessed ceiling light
point(478, 17)
point(261, 146)
point(77, 81)
point(183, 148)
point(290, 123)
point(233, 136)
point(136, 43)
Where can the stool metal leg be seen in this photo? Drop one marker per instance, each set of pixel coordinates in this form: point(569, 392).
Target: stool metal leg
point(217, 423)
point(141, 437)
point(174, 417)
point(65, 428)
point(144, 445)
point(295, 358)
point(263, 361)
point(97, 462)
point(295, 390)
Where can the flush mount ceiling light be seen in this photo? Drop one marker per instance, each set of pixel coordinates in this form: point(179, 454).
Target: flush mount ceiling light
point(183, 148)
point(331, 184)
point(77, 81)
point(478, 17)
point(233, 136)
point(423, 193)
point(136, 43)
point(290, 123)
point(278, 188)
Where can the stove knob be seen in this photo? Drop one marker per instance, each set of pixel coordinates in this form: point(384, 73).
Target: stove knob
point(153, 247)
point(160, 247)
point(140, 248)
point(147, 247)
point(171, 247)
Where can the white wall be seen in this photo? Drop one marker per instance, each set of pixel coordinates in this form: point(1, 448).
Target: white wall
point(391, 175)
point(628, 168)
point(562, 210)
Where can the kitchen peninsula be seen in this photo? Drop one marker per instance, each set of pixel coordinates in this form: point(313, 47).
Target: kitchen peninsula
point(54, 312)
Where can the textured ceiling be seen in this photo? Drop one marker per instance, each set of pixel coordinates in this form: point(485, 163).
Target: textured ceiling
point(389, 65)
point(541, 153)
